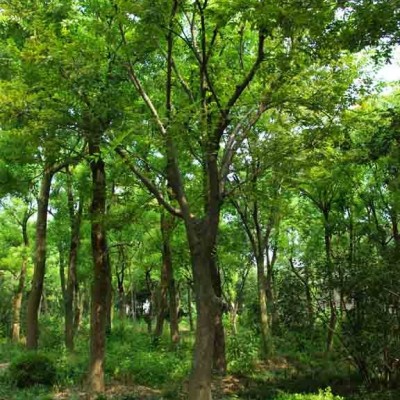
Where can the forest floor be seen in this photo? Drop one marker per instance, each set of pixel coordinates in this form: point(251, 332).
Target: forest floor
point(136, 369)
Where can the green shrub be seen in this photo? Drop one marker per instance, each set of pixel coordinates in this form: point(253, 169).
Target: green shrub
point(242, 351)
point(322, 395)
point(31, 369)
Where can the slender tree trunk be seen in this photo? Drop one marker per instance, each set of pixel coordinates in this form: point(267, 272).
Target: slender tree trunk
point(266, 347)
point(310, 307)
point(72, 282)
point(78, 307)
point(110, 301)
point(270, 297)
point(173, 311)
point(167, 282)
point(100, 284)
point(190, 311)
point(40, 262)
point(17, 300)
point(120, 283)
point(62, 271)
point(329, 267)
point(163, 289)
point(233, 316)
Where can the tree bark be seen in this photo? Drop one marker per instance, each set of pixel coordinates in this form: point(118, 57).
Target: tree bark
point(163, 289)
point(17, 300)
point(190, 311)
point(120, 273)
point(167, 285)
point(266, 347)
point(329, 267)
point(219, 362)
point(200, 379)
point(40, 262)
point(72, 280)
point(100, 283)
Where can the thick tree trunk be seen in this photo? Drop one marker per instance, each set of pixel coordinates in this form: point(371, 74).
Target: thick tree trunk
point(266, 345)
point(72, 281)
point(17, 300)
point(200, 379)
point(100, 284)
point(40, 262)
point(219, 363)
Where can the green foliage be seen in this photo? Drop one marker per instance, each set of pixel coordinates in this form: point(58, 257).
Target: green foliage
point(134, 357)
point(322, 395)
point(242, 351)
point(32, 368)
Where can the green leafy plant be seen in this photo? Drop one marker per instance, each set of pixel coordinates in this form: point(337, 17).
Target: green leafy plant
point(322, 395)
point(32, 369)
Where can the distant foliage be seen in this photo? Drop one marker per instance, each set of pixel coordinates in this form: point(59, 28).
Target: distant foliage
point(32, 369)
point(322, 395)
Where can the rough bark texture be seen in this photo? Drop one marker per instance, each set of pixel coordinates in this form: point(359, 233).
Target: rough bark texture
point(72, 282)
point(17, 300)
point(100, 284)
point(200, 379)
point(40, 262)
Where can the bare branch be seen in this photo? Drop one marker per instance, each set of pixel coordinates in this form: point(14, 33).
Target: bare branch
point(151, 187)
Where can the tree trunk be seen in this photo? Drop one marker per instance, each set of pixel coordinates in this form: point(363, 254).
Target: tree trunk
point(62, 271)
point(219, 362)
point(266, 346)
point(78, 307)
point(173, 311)
point(110, 297)
point(272, 315)
point(233, 312)
point(17, 300)
point(100, 283)
point(200, 379)
point(120, 273)
point(163, 289)
point(72, 283)
point(167, 282)
point(190, 312)
point(329, 267)
point(40, 262)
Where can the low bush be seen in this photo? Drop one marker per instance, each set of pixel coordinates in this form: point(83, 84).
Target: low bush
point(32, 369)
point(322, 395)
point(242, 351)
